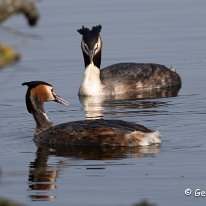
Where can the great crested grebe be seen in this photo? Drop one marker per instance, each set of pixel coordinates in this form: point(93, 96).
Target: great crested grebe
point(97, 132)
point(119, 78)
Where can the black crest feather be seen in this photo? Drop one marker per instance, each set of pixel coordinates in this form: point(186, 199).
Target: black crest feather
point(84, 31)
point(33, 84)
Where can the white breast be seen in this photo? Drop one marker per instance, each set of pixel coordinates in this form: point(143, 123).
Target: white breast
point(91, 84)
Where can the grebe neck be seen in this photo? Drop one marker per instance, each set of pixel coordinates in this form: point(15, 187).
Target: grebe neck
point(40, 117)
point(91, 83)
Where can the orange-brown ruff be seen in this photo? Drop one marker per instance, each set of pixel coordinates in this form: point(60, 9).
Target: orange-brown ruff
point(84, 132)
point(121, 78)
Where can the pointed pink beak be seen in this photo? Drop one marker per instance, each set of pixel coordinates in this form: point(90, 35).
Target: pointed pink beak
point(60, 100)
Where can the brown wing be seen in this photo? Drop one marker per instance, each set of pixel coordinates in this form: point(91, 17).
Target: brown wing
point(89, 132)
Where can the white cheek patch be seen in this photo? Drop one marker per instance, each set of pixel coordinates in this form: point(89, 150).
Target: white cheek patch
point(98, 45)
point(83, 47)
point(50, 94)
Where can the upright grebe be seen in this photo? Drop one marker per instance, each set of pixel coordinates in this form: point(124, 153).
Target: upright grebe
point(97, 132)
point(122, 77)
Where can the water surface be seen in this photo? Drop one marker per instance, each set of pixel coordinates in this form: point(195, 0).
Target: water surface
point(170, 33)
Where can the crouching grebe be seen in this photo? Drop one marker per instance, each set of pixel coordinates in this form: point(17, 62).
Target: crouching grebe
point(122, 77)
point(85, 132)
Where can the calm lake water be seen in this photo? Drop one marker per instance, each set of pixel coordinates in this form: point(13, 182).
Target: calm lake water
point(165, 32)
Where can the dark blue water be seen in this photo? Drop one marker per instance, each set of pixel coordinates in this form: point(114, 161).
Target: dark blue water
point(165, 32)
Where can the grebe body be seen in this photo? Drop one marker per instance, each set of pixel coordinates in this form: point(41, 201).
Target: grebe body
point(120, 78)
point(97, 132)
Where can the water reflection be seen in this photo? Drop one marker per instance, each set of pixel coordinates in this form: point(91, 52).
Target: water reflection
point(94, 106)
point(43, 176)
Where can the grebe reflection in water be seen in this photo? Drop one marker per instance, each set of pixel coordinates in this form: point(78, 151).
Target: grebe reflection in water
point(49, 163)
point(95, 107)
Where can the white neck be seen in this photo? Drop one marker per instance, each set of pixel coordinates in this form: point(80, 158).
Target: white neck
point(91, 83)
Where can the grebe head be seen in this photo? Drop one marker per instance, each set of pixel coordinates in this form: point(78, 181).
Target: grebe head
point(37, 93)
point(91, 45)
point(40, 92)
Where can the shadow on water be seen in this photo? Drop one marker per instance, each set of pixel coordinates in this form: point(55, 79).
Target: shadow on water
point(43, 176)
point(94, 106)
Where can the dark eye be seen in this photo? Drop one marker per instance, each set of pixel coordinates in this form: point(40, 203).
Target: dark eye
point(52, 90)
